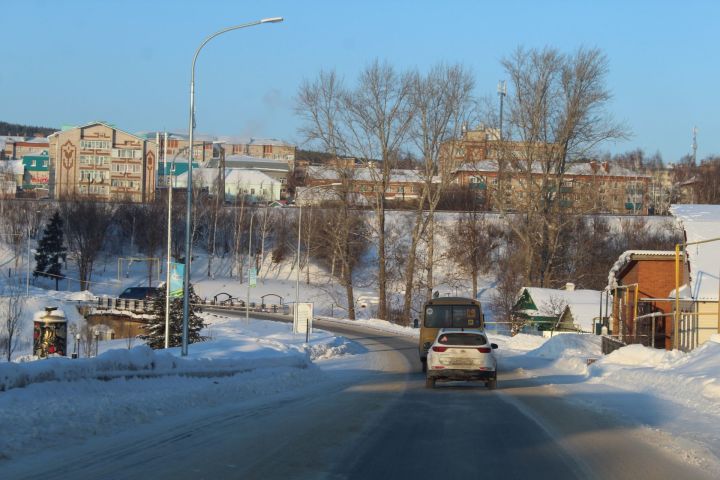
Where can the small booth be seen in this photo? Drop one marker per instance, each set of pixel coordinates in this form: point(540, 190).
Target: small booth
point(50, 333)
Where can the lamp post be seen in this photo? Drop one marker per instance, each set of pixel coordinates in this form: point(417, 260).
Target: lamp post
point(297, 278)
point(188, 220)
point(247, 304)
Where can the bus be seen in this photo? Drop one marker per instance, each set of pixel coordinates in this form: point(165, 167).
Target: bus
point(447, 312)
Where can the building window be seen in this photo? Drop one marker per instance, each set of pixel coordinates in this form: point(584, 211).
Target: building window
point(95, 144)
point(267, 149)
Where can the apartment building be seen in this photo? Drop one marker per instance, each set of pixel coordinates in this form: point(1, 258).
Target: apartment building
point(589, 187)
point(268, 148)
point(101, 162)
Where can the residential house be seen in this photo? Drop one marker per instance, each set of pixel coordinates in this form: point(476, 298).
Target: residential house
point(641, 282)
point(101, 162)
point(698, 292)
point(568, 310)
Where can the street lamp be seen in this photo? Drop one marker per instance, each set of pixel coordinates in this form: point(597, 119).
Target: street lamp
point(188, 220)
point(297, 279)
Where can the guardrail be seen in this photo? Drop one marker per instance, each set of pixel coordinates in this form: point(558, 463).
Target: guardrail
point(145, 306)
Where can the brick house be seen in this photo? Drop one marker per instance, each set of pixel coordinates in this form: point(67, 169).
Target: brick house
point(652, 275)
point(403, 185)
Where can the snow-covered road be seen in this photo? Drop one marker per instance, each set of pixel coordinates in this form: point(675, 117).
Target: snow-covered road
point(369, 416)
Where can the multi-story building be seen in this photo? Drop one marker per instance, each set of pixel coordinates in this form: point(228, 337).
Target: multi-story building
point(269, 148)
point(99, 161)
point(14, 147)
point(590, 187)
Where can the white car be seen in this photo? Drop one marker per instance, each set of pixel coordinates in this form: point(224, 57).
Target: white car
point(459, 354)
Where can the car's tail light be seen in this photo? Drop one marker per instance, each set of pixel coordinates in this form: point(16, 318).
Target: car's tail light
point(439, 349)
point(484, 349)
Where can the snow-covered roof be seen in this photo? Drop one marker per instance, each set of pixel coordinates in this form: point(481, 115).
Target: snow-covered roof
point(56, 315)
point(572, 169)
point(233, 176)
point(629, 255)
point(319, 172)
point(247, 161)
point(584, 305)
point(701, 222)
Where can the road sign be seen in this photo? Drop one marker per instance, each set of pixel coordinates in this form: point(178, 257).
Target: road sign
point(252, 277)
point(304, 317)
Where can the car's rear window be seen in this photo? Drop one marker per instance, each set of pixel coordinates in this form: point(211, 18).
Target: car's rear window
point(463, 339)
point(452, 316)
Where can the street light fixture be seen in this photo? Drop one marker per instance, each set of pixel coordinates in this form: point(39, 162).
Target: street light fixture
point(188, 220)
point(297, 279)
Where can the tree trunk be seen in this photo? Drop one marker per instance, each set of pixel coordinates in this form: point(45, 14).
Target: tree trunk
point(430, 254)
point(382, 274)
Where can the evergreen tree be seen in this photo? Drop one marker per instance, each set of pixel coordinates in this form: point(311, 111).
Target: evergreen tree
point(51, 253)
point(154, 327)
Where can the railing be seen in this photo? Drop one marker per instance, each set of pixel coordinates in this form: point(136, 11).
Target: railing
point(146, 306)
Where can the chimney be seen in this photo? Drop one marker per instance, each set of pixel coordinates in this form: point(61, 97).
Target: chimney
point(570, 287)
point(606, 167)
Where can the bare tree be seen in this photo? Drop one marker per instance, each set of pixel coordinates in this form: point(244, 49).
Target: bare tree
point(12, 304)
point(509, 282)
point(480, 239)
point(369, 122)
point(87, 223)
point(556, 116)
point(440, 103)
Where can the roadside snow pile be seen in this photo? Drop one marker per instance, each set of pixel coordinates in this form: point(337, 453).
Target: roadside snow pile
point(335, 348)
point(140, 361)
point(521, 342)
point(691, 379)
point(568, 345)
point(377, 324)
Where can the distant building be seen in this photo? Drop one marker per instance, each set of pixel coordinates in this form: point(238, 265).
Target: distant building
point(268, 148)
point(548, 309)
point(402, 185)
point(254, 185)
point(37, 171)
point(14, 147)
point(590, 187)
point(98, 161)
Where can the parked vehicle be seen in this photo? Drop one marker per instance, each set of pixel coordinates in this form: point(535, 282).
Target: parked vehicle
point(140, 293)
point(447, 312)
point(459, 354)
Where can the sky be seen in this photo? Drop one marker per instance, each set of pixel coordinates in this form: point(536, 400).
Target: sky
point(128, 62)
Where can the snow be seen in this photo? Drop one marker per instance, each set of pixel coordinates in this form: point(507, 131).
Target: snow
point(701, 222)
point(573, 169)
point(50, 402)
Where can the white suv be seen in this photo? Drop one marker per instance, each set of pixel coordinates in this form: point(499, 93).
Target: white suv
point(460, 354)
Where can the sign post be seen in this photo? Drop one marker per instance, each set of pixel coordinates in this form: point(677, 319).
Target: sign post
point(304, 315)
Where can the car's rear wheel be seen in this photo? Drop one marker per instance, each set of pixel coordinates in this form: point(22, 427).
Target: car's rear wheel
point(492, 383)
point(429, 382)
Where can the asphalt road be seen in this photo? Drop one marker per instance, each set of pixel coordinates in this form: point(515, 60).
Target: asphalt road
point(382, 423)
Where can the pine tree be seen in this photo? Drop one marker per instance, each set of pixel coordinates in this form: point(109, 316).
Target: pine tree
point(154, 327)
point(51, 253)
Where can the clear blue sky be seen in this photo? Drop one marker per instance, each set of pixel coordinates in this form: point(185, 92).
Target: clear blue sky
point(128, 62)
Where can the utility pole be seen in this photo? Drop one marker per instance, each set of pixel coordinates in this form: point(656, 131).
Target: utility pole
point(502, 92)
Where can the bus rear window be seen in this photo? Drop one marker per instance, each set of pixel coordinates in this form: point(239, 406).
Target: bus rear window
point(452, 316)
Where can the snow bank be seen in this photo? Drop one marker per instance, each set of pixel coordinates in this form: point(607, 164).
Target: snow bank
point(569, 345)
point(140, 361)
point(377, 324)
point(691, 379)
